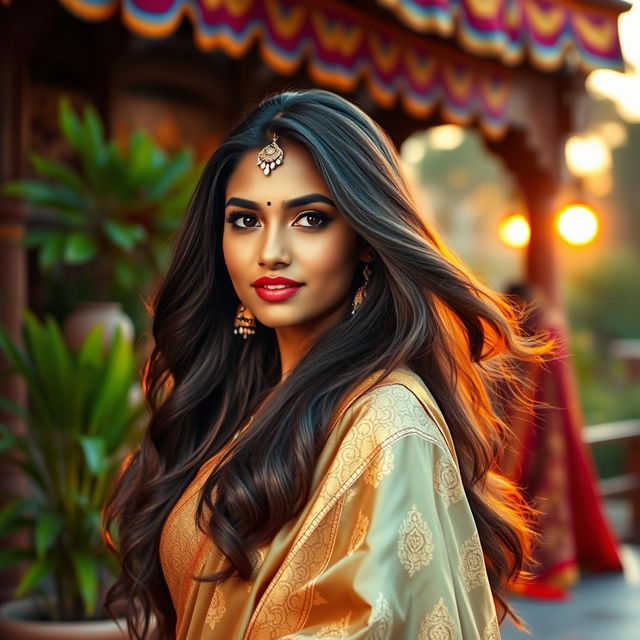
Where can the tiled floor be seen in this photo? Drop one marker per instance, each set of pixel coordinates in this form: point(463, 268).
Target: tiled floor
point(602, 607)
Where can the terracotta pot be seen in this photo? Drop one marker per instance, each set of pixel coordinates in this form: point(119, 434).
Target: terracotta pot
point(87, 315)
point(19, 621)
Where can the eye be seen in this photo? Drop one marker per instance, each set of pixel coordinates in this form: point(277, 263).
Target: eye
point(321, 219)
point(239, 215)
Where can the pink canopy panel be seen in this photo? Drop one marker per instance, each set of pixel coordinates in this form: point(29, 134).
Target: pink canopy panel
point(343, 45)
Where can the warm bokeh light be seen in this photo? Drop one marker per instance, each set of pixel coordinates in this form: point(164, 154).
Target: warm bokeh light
point(587, 155)
point(628, 27)
point(623, 88)
point(445, 137)
point(599, 185)
point(413, 149)
point(614, 133)
point(514, 231)
point(577, 224)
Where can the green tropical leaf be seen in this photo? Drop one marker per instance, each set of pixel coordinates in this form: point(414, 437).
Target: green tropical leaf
point(79, 248)
point(70, 123)
point(173, 170)
point(54, 170)
point(11, 557)
point(9, 439)
point(127, 274)
point(34, 575)
point(35, 237)
point(91, 350)
point(52, 251)
point(9, 514)
point(13, 407)
point(141, 152)
point(94, 453)
point(32, 190)
point(48, 527)
point(15, 356)
point(50, 389)
point(60, 364)
point(94, 134)
point(125, 235)
point(116, 379)
point(86, 570)
point(59, 197)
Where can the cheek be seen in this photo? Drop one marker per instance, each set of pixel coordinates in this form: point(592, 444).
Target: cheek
point(232, 256)
point(335, 257)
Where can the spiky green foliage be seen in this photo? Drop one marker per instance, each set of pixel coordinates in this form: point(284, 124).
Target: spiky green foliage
point(113, 210)
point(80, 419)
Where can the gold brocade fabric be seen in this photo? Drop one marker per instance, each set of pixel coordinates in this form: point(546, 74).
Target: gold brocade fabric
point(386, 547)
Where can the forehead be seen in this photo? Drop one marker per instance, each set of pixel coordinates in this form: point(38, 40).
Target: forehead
point(297, 175)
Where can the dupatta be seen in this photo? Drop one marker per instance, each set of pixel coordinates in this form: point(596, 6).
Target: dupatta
point(386, 546)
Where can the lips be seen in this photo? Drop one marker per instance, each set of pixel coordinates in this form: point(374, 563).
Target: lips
point(276, 289)
point(277, 280)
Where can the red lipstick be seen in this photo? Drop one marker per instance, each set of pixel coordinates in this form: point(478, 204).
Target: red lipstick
point(285, 289)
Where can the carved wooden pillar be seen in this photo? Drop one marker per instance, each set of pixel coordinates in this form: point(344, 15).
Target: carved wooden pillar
point(13, 271)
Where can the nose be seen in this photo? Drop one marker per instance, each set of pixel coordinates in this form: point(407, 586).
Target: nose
point(275, 251)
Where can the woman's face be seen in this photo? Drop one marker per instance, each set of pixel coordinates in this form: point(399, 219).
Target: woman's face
point(287, 225)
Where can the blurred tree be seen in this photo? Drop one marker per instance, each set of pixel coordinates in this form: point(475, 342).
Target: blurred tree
point(604, 300)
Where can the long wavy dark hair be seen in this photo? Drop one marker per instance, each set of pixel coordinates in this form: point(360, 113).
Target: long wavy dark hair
point(423, 310)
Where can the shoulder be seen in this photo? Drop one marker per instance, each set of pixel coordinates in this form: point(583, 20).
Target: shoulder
point(396, 407)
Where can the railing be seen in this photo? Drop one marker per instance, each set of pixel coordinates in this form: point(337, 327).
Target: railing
point(627, 484)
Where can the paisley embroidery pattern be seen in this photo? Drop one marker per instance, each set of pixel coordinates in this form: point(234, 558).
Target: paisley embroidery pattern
point(291, 602)
point(217, 608)
point(492, 630)
point(471, 565)
point(381, 466)
point(335, 629)
point(393, 411)
point(447, 482)
point(438, 625)
point(415, 542)
point(359, 532)
point(380, 620)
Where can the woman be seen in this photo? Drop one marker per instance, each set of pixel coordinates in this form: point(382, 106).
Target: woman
point(319, 457)
point(550, 462)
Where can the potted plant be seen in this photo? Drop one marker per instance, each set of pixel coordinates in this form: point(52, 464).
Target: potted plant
point(101, 221)
point(83, 414)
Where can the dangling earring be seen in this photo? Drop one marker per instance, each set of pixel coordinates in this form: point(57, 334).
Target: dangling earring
point(361, 293)
point(244, 323)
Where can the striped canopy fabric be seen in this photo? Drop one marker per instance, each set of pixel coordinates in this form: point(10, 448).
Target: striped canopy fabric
point(395, 58)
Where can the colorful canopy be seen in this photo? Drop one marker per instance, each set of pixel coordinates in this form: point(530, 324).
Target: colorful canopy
point(511, 29)
point(344, 44)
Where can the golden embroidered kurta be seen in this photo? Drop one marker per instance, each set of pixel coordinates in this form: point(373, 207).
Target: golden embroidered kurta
point(386, 547)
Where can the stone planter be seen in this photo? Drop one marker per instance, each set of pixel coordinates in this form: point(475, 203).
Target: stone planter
point(87, 315)
point(19, 620)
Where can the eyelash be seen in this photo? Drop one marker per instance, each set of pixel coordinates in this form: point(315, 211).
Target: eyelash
point(324, 218)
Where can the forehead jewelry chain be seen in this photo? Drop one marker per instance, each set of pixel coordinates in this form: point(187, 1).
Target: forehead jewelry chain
point(270, 156)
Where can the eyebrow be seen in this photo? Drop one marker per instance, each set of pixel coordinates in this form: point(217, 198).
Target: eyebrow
point(288, 204)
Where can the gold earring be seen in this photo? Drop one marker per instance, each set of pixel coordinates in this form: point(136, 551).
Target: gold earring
point(244, 323)
point(361, 293)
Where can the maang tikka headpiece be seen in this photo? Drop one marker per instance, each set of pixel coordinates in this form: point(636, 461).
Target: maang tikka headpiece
point(270, 156)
